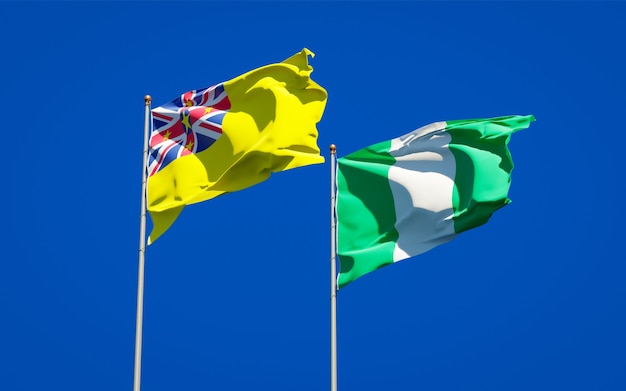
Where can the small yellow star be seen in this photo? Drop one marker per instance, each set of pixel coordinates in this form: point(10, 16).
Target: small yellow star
point(185, 121)
point(167, 135)
point(207, 110)
point(189, 145)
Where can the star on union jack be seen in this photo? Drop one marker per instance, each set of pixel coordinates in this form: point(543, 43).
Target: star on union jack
point(187, 125)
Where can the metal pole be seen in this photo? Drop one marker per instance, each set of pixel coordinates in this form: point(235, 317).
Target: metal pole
point(142, 248)
point(333, 273)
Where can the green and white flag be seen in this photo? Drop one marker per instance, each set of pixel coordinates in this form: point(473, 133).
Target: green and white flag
point(402, 197)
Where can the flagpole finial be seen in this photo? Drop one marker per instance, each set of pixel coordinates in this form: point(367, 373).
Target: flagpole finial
point(333, 148)
point(147, 99)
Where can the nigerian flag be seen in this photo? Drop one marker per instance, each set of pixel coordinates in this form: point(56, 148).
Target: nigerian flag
point(402, 197)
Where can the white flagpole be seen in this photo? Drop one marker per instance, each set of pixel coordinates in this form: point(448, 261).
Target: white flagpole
point(333, 273)
point(142, 248)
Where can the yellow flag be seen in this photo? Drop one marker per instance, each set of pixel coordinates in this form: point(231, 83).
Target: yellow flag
point(231, 136)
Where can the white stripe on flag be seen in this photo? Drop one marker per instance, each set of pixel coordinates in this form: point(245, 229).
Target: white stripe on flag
point(422, 181)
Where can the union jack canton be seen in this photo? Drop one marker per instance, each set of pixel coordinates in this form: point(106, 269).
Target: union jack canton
point(188, 124)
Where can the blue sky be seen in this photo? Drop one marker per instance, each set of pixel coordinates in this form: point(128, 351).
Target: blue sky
point(237, 291)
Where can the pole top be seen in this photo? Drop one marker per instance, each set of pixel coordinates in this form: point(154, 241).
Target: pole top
point(147, 99)
point(333, 148)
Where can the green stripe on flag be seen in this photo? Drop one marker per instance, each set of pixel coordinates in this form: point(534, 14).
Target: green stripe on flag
point(367, 211)
point(484, 167)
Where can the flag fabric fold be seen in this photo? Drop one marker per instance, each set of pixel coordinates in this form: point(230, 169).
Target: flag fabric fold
point(402, 197)
point(231, 136)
